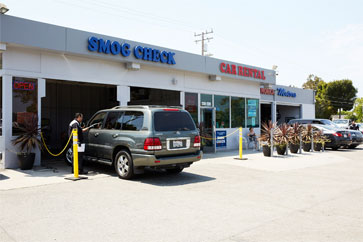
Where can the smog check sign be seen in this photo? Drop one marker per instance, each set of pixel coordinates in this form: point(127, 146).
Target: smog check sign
point(145, 53)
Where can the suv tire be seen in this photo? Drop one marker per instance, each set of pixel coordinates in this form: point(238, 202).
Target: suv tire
point(175, 170)
point(68, 156)
point(124, 165)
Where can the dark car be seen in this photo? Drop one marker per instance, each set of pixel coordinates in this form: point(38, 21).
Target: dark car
point(356, 137)
point(338, 137)
point(136, 137)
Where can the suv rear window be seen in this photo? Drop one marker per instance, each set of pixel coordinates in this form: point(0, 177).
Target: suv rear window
point(173, 121)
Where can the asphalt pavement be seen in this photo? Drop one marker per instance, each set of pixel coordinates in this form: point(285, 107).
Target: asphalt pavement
point(307, 197)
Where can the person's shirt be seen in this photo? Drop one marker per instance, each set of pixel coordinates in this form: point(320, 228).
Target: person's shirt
point(354, 127)
point(76, 125)
point(251, 134)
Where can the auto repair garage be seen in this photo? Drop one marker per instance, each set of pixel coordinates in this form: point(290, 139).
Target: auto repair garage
point(283, 103)
point(51, 72)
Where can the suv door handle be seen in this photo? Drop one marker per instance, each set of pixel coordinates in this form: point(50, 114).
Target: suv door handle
point(115, 135)
point(97, 134)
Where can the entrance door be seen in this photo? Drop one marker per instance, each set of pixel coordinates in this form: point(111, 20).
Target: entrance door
point(207, 129)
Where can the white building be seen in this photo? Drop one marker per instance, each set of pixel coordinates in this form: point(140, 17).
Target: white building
point(51, 72)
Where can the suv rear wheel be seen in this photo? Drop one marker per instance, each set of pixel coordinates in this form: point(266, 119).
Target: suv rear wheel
point(123, 165)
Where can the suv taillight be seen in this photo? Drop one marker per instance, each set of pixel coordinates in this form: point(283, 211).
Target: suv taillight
point(152, 144)
point(196, 141)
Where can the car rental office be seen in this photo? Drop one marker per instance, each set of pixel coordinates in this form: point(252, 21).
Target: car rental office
point(50, 72)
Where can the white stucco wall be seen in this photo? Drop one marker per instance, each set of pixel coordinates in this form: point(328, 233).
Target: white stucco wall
point(308, 110)
point(40, 64)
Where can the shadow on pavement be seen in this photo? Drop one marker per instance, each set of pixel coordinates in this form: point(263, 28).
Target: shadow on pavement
point(3, 177)
point(162, 178)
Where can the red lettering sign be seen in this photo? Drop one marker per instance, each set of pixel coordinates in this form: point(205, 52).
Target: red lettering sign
point(20, 85)
point(241, 71)
point(267, 91)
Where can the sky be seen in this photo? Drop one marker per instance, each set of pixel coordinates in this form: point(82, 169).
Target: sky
point(320, 37)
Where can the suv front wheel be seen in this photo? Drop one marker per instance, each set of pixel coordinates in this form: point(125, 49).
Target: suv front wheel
point(123, 165)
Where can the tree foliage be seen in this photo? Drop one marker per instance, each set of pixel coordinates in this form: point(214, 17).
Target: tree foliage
point(341, 94)
point(330, 96)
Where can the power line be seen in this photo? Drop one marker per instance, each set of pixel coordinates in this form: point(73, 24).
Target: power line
point(203, 39)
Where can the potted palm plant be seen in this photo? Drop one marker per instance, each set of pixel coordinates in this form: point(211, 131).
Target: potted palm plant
point(282, 137)
point(295, 138)
point(265, 138)
point(319, 140)
point(307, 137)
point(28, 140)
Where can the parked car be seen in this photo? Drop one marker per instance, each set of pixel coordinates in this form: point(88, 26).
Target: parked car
point(337, 137)
point(136, 137)
point(356, 138)
point(342, 123)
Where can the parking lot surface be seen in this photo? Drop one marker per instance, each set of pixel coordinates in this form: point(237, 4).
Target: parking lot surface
point(308, 197)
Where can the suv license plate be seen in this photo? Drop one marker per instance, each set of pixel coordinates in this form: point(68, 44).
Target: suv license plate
point(177, 144)
point(345, 136)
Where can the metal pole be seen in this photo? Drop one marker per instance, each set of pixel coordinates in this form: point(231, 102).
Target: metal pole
point(272, 142)
point(300, 137)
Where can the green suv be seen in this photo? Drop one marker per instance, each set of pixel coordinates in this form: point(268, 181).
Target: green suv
point(132, 138)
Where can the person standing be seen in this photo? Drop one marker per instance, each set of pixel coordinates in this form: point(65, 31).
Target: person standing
point(76, 124)
point(354, 126)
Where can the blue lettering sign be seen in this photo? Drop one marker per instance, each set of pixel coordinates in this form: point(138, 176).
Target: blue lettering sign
point(115, 48)
point(221, 139)
point(140, 52)
point(104, 46)
point(282, 92)
point(125, 49)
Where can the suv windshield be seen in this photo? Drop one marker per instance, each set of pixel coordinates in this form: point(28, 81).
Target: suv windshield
point(173, 121)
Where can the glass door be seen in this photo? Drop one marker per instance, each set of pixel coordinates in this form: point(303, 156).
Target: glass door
point(207, 129)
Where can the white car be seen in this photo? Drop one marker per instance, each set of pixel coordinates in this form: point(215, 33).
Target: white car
point(342, 123)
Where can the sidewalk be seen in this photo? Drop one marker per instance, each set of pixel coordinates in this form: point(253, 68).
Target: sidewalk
point(56, 171)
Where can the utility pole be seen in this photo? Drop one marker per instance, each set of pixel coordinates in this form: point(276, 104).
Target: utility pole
point(204, 37)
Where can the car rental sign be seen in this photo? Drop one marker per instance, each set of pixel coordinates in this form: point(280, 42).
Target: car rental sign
point(124, 49)
point(241, 71)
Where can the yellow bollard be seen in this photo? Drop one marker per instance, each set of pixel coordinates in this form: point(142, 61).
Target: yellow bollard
point(75, 153)
point(75, 158)
point(240, 143)
point(240, 146)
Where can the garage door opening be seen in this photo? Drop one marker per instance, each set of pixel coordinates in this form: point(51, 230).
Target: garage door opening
point(64, 99)
point(285, 113)
point(265, 112)
point(152, 96)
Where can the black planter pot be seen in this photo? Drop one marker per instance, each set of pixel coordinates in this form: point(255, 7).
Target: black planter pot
point(318, 146)
point(307, 147)
point(26, 161)
point(266, 150)
point(281, 149)
point(294, 148)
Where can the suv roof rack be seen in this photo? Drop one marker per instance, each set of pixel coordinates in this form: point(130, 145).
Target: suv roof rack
point(147, 106)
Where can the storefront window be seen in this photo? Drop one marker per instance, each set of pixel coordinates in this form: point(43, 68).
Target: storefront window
point(253, 113)
point(25, 102)
point(238, 112)
point(222, 111)
point(205, 100)
point(191, 105)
